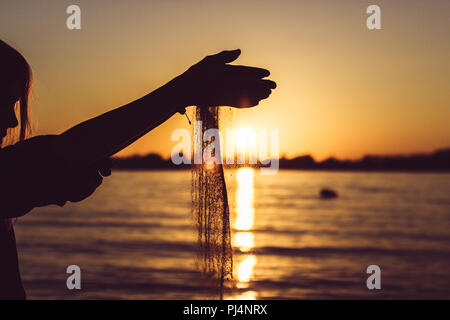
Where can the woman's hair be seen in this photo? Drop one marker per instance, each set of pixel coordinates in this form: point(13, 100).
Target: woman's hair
point(16, 74)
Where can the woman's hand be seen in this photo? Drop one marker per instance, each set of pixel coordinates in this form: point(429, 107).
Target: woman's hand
point(84, 182)
point(33, 174)
point(213, 82)
point(80, 184)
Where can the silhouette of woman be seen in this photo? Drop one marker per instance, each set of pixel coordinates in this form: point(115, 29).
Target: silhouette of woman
point(54, 169)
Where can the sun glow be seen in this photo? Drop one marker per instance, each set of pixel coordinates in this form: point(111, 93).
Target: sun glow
point(246, 141)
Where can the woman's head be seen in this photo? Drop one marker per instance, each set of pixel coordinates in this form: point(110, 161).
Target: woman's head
point(15, 86)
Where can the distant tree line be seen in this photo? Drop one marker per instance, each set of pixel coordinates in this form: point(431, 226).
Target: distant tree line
point(436, 161)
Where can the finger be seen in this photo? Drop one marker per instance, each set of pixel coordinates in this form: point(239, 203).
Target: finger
point(265, 94)
point(248, 72)
point(98, 180)
point(105, 171)
point(224, 56)
point(253, 88)
point(93, 180)
point(105, 167)
point(269, 84)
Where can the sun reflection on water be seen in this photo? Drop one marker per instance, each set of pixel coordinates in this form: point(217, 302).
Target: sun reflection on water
point(245, 271)
point(248, 295)
point(245, 212)
point(243, 237)
point(244, 240)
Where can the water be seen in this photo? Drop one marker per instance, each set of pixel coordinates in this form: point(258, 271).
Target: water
point(134, 239)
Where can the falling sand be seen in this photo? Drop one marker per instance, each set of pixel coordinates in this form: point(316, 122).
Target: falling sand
point(210, 207)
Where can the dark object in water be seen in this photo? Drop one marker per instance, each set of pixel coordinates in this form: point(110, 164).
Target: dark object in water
point(328, 194)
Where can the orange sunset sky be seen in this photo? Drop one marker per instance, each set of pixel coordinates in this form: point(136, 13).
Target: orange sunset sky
point(343, 90)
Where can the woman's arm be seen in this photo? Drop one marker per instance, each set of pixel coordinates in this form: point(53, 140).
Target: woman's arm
point(54, 169)
point(105, 135)
point(210, 82)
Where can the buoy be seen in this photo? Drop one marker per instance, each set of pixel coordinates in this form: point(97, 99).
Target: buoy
point(328, 194)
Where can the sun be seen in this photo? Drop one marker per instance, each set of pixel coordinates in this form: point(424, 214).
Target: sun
point(245, 140)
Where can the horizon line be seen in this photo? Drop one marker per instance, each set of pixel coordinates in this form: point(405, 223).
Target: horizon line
point(284, 157)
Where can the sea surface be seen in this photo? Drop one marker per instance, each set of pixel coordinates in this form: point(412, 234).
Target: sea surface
point(135, 238)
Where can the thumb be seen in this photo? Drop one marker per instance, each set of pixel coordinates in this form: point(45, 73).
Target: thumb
point(225, 56)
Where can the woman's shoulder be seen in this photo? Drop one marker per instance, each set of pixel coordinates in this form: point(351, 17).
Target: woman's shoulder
point(31, 143)
point(37, 150)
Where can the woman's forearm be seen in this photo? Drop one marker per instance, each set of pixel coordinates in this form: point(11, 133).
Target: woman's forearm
point(105, 135)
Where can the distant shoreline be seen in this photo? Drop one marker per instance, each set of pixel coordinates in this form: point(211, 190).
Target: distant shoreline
point(438, 161)
point(290, 169)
